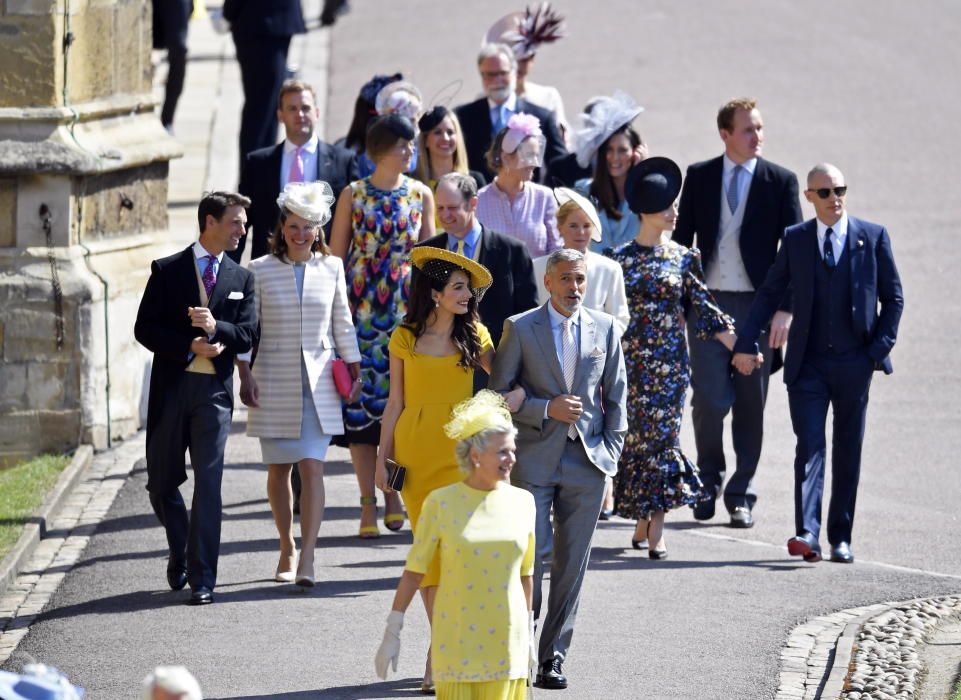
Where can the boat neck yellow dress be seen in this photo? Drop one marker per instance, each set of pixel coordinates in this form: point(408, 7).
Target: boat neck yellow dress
point(483, 542)
point(433, 385)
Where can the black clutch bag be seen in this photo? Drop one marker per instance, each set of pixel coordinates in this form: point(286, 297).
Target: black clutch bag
point(395, 475)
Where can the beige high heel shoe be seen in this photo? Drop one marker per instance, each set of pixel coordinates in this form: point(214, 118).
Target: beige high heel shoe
point(285, 574)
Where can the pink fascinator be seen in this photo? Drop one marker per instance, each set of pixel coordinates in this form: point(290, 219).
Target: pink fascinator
point(519, 127)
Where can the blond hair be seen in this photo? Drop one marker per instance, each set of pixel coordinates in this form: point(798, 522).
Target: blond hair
point(424, 170)
point(725, 115)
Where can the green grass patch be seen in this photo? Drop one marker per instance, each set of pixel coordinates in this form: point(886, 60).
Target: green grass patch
point(957, 692)
point(22, 488)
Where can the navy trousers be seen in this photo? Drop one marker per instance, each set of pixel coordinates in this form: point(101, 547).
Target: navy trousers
point(198, 409)
point(840, 382)
point(263, 68)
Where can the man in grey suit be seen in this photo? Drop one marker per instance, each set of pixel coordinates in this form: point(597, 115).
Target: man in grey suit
point(570, 432)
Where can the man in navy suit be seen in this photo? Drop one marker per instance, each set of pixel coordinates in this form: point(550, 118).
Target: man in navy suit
point(515, 288)
point(300, 157)
point(196, 315)
point(734, 208)
point(482, 119)
point(261, 31)
point(847, 304)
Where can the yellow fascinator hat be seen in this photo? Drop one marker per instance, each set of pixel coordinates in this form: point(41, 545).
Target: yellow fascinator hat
point(487, 409)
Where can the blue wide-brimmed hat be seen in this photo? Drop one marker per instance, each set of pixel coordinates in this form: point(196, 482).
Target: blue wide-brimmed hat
point(652, 185)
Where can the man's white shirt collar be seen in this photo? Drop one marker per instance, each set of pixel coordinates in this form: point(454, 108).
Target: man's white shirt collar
point(201, 252)
point(729, 165)
point(309, 147)
point(839, 229)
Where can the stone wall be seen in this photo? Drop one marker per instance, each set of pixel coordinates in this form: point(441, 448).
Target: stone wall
point(83, 211)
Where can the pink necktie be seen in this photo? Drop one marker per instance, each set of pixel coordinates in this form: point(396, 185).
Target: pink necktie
point(296, 167)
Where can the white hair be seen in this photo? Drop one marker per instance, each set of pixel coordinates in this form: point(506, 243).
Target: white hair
point(564, 255)
point(490, 50)
point(176, 680)
point(479, 441)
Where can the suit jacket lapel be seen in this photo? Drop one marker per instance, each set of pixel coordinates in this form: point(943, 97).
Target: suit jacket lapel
point(587, 344)
point(545, 338)
point(275, 163)
point(187, 271)
point(855, 245)
point(712, 205)
point(485, 254)
point(754, 192)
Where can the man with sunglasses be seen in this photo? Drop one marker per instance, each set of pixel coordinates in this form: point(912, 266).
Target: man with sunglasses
point(736, 206)
point(847, 304)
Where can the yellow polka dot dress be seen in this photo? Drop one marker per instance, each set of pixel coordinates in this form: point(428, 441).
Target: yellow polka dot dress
point(485, 542)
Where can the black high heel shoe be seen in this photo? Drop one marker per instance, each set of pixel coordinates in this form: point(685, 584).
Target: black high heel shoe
point(657, 554)
point(642, 542)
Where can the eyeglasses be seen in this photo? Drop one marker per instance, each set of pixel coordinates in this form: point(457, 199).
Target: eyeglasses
point(825, 192)
point(491, 75)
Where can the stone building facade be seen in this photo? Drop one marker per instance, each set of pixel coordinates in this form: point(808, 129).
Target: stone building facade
point(83, 211)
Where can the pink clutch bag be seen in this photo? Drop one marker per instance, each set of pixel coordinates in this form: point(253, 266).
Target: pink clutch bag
point(342, 379)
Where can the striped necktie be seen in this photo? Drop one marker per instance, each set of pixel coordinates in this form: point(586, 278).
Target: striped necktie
point(732, 184)
point(569, 355)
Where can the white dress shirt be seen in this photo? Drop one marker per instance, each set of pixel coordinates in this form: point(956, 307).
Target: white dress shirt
point(839, 234)
point(308, 154)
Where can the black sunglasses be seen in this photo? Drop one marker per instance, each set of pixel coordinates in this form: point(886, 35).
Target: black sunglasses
point(825, 192)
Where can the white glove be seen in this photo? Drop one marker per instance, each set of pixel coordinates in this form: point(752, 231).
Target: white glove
point(389, 650)
point(532, 645)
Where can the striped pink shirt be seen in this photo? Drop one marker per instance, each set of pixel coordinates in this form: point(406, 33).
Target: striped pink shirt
point(531, 217)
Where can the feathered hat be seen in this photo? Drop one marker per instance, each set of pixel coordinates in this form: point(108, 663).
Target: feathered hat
point(486, 409)
point(525, 31)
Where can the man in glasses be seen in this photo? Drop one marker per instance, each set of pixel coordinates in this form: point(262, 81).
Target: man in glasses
point(847, 303)
point(482, 119)
point(735, 208)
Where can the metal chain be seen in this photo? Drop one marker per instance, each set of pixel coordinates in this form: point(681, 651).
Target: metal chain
point(47, 219)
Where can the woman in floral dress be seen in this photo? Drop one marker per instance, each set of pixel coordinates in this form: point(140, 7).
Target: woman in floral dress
point(377, 222)
point(660, 277)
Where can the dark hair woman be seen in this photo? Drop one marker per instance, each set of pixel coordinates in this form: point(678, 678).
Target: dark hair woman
point(377, 222)
point(301, 304)
point(613, 145)
point(433, 356)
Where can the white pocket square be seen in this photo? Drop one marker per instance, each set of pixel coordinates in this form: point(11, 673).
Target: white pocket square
point(235, 295)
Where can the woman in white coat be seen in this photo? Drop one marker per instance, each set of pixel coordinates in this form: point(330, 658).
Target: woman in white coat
point(289, 388)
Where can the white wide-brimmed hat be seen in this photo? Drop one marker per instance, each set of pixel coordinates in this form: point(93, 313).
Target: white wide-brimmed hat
point(566, 194)
point(310, 200)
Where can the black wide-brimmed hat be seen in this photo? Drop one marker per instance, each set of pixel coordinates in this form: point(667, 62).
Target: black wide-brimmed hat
point(652, 185)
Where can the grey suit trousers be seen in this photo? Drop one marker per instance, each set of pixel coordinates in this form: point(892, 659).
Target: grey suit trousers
point(719, 390)
point(575, 492)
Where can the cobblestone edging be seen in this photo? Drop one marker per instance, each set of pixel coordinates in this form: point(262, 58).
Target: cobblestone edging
point(68, 533)
point(812, 650)
point(886, 662)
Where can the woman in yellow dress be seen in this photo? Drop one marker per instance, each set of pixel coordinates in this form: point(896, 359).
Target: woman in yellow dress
point(433, 355)
point(480, 531)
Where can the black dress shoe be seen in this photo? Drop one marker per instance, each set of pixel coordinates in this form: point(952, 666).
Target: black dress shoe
point(550, 676)
point(201, 595)
point(704, 510)
point(176, 574)
point(841, 553)
point(804, 546)
point(741, 518)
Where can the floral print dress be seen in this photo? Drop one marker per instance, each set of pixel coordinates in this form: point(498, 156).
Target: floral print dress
point(386, 225)
point(654, 474)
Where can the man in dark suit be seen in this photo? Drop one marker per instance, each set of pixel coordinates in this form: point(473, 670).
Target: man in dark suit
point(514, 289)
point(840, 270)
point(482, 119)
point(300, 157)
point(196, 314)
point(261, 31)
point(170, 20)
point(734, 208)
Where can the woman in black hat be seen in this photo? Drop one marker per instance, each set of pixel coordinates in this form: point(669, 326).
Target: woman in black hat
point(660, 277)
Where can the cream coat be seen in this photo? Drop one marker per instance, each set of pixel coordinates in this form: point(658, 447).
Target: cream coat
point(290, 330)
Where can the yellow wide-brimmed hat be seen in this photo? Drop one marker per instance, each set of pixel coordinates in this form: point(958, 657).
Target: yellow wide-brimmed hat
point(480, 277)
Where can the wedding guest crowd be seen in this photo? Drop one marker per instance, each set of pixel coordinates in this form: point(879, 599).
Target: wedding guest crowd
point(507, 361)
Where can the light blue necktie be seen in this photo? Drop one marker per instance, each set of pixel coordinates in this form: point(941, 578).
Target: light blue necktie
point(732, 188)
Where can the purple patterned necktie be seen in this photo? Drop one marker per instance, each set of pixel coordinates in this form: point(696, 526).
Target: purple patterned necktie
point(210, 277)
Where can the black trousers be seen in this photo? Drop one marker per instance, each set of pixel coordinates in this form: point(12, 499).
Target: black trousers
point(170, 20)
point(196, 411)
point(841, 382)
point(263, 67)
point(719, 390)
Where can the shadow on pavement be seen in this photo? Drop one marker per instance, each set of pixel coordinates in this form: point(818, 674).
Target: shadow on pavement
point(612, 558)
point(401, 688)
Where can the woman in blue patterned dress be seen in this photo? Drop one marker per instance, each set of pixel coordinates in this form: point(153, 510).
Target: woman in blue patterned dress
point(377, 222)
point(660, 276)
